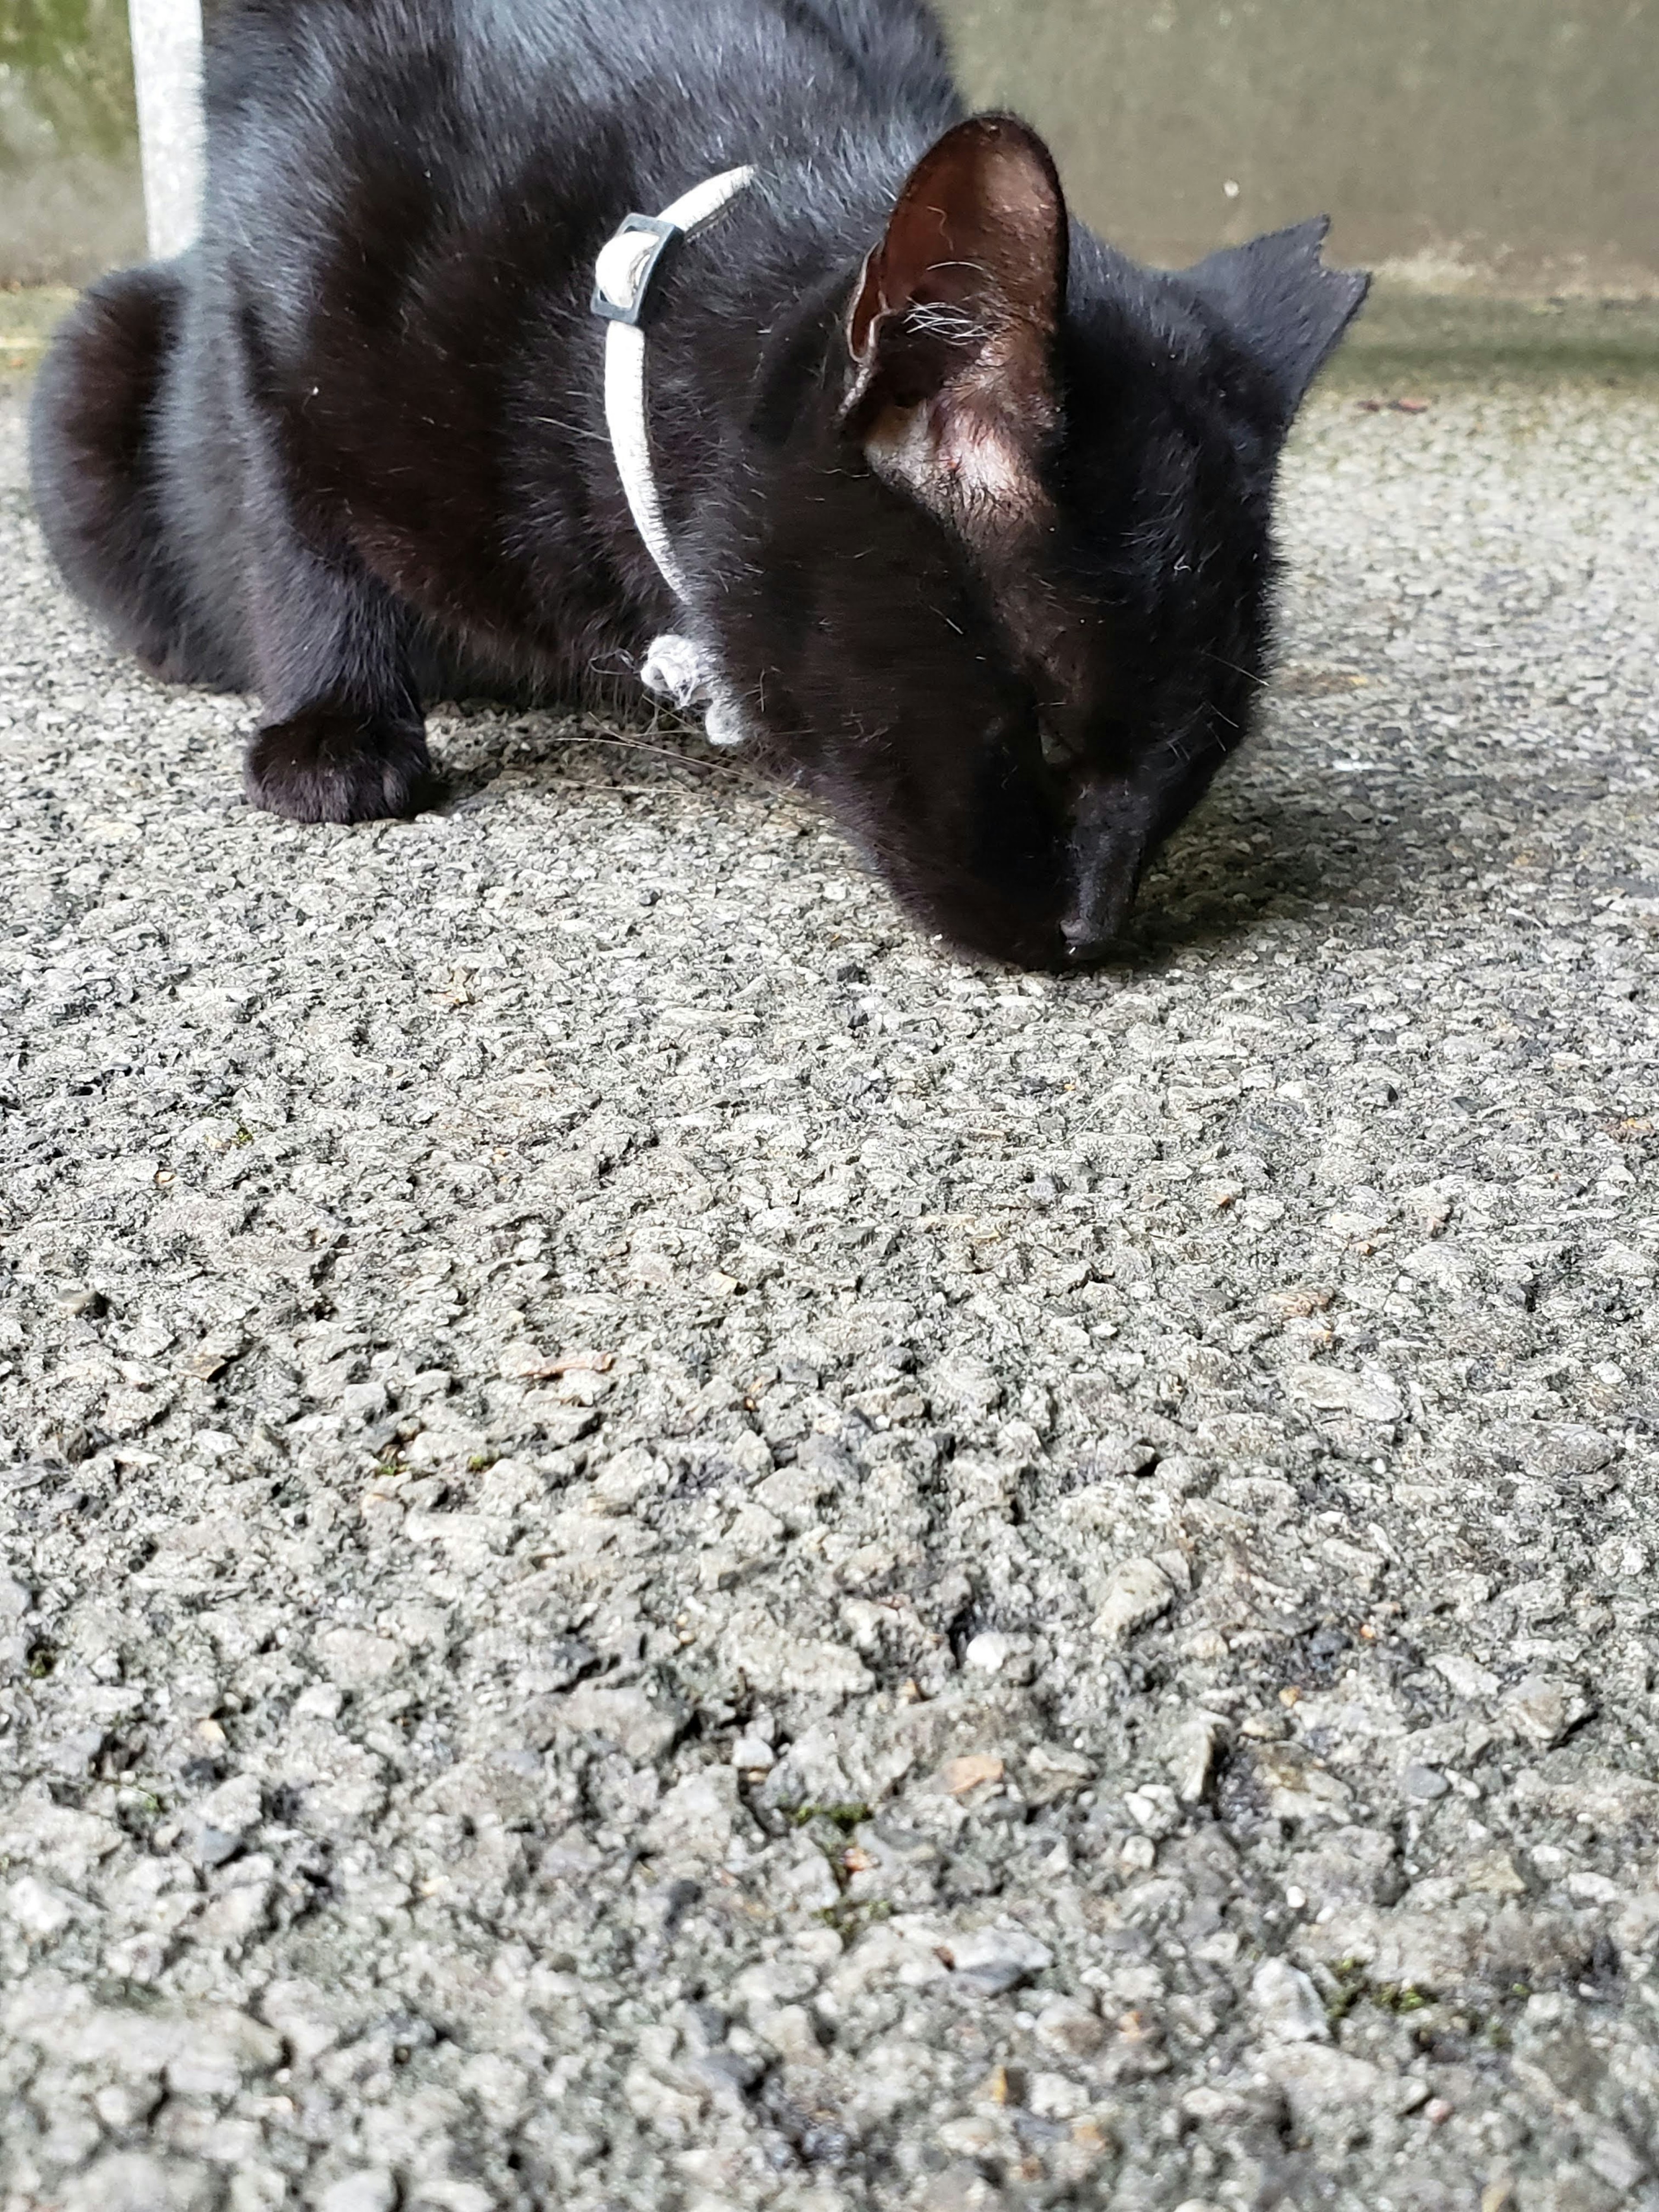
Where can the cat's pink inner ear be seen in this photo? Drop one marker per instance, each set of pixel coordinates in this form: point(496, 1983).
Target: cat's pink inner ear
point(980, 225)
point(953, 322)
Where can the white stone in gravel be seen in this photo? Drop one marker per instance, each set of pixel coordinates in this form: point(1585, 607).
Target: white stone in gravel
point(813, 1772)
point(1571, 1447)
point(122, 2105)
point(57, 1838)
point(1115, 1455)
point(991, 1651)
point(38, 1908)
point(131, 2182)
point(974, 2136)
point(221, 1822)
point(1056, 2097)
point(762, 1992)
point(309, 2019)
point(1287, 2004)
point(795, 1493)
point(72, 1755)
point(807, 1884)
point(626, 1717)
point(1192, 1749)
point(1463, 1676)
point(1629, 1263)
point(1543, 1708)
point(777, 1663)
point(995, 1960)
point(752, 1754)
point(371, 2190)
point(1137, 1591)
point(1347, 1865)
point(1446, 1265)
point(1637, 1927)
point(694, 1818)
point(355, 1658)
point(819, 1946)
point(1617, 2162)
point(1319, 2082)
point(214, 2052)
point(1069, 2026)
point(621, 1482)
point(970, 1383)
point(1371, 1395)
point(792, 2033)
point(1052, 1771)
point(1587, 1888)
point(451, 2196)
point(1154, 1808)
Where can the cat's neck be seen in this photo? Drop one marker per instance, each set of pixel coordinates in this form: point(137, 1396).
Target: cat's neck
point(793, 235)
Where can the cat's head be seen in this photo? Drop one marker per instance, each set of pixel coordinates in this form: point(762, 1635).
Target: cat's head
point(1005, 526)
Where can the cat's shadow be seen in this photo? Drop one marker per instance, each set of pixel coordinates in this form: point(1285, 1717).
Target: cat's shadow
point(1252, 854)
point(478, 744)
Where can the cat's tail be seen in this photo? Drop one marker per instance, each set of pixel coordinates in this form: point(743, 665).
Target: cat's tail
point(93, 461)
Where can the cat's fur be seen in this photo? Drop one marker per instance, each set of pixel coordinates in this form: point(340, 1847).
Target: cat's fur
point(975, 510)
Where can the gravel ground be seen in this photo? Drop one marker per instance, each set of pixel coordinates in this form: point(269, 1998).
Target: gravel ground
point(664, 1552)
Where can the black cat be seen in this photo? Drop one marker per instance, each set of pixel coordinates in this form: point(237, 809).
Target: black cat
point(973, 513)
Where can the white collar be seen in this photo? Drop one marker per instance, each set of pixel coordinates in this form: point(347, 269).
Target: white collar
point(625, 276)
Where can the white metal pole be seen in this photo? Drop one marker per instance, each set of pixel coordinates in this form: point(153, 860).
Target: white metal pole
point(166, 65)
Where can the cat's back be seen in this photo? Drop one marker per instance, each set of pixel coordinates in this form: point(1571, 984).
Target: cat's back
point(654, 88)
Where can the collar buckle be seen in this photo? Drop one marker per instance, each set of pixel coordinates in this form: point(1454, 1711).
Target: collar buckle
point(626, 272)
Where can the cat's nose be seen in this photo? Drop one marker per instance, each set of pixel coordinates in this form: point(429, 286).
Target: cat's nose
point(1108, 843)
point(1086, 941)
point(1093, 928)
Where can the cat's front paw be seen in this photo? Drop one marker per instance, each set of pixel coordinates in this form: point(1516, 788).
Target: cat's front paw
point(329, 764)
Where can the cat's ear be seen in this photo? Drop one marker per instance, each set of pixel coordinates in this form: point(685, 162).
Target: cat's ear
point(1286, 306)
point(953, 325)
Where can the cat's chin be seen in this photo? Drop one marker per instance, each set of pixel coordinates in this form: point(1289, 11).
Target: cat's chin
point(989, 928)
point(1008, 937)
point(330, 764)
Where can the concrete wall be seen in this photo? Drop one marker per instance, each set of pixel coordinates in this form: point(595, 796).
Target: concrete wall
point(1509, 145)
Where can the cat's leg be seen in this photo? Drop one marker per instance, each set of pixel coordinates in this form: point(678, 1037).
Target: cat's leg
point(345, 740)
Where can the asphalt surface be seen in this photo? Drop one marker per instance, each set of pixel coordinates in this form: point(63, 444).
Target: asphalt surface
point(663, 1551)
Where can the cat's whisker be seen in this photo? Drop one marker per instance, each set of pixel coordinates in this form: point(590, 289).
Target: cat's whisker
point(571, 429)
point(1221, 661)
point(638, 745)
